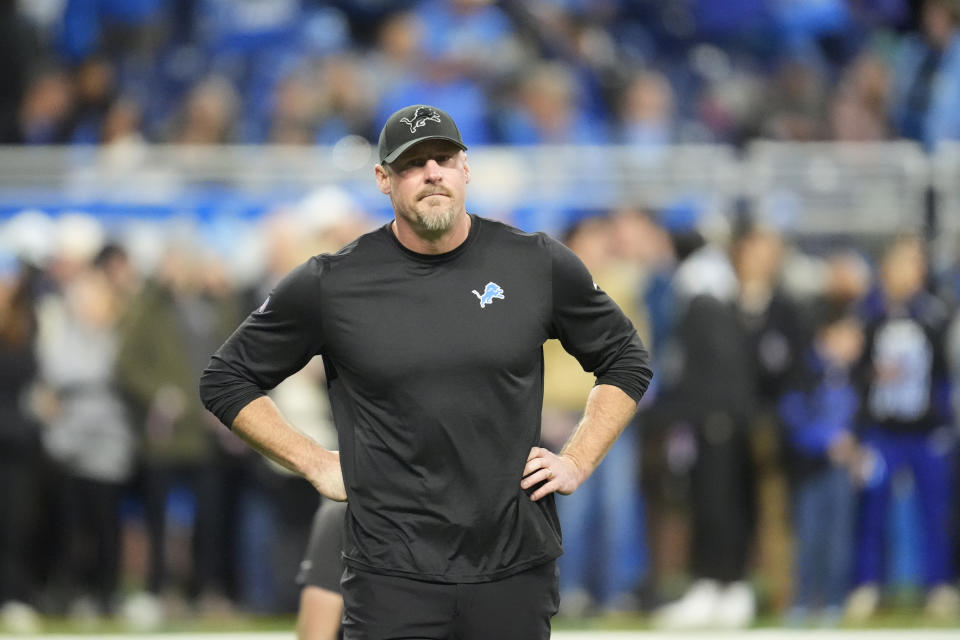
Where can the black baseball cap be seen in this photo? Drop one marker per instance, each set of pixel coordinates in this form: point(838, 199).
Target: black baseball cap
point(412, 125)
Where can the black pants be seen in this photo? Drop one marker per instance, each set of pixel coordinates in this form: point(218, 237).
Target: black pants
point(202, 481)
point(91, 519)
point(518, 607)
point(18, 484)
point(723, 500)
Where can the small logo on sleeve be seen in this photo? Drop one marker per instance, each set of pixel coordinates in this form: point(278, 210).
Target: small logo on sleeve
point(263, 307)
point(491, 292)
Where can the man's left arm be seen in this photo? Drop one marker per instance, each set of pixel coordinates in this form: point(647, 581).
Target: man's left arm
point(609, 409)
point(594, 330)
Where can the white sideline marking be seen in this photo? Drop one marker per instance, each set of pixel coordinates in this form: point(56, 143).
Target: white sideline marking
point(754, 634)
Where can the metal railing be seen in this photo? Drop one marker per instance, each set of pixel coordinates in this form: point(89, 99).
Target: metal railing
point(812, 188)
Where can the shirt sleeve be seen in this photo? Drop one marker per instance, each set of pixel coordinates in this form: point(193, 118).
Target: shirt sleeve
point(275, 341)
point(593, 329)
point(808, 432)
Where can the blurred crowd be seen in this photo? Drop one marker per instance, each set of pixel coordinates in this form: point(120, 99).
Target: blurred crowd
point(638, 72)
point(797, 453)
point(795, 456)
point(119, 482)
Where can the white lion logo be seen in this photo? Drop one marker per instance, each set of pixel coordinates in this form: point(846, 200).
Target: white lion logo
point(420, 117)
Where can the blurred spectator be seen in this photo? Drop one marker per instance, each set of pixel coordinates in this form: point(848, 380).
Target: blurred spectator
point(397, 50)
point(94, 94)
point(121, 124)
point(773, 319)
point(120, 134)
point(75, 238)
point(796, 104)
point(120, 275)
point(858, 106)
point(346, 99)
point(468, 38)
point(731, 108)
point(604, 559)
point(178, 318)
point(848, 279)
point(644, 246)
point(19, 447)
point(546, 110)
point(647, 118)
point(88, 434)
point(294, 110)
point(711, 390)
point(405, 74)
point(908, 426)
point(819, 413)
point(232, 461)
point(45, 108)
point(776, 328)
point(926, 88)
point(19, 51)
point(583, 37)
point(207, 116)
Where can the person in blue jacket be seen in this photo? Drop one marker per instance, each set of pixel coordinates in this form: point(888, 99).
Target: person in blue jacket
point(819, 412)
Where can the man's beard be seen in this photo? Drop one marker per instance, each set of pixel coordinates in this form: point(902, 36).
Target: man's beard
point(437, 222)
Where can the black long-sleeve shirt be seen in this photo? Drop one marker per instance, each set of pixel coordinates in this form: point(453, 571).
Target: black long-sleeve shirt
point(903, 369)
point(435, 375)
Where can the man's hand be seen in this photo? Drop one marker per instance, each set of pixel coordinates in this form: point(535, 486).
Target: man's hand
point(327, 477)
point(559, 474)
point(261, 425)
point(608, 411)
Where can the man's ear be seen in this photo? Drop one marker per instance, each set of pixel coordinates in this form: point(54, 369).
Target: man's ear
point(466, 169)
point(383, 180)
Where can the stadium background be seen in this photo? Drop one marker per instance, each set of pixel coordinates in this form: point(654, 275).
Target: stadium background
point(237, 135)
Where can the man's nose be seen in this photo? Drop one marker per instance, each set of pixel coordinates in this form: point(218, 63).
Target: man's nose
point(432, 169)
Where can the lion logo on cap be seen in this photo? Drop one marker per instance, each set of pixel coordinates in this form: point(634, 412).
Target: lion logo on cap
point(420, 117)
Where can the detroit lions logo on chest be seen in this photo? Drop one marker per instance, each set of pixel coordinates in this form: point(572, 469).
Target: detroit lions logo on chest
point(420, 117)
point(491, 291)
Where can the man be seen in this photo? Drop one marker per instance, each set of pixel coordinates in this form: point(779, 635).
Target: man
point(431, 330)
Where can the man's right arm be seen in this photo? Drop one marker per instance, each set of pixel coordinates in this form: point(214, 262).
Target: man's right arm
point(264, 428)
point(274, 342)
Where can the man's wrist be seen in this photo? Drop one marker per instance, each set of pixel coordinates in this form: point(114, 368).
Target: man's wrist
point(578, 465)
point(317, 460)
